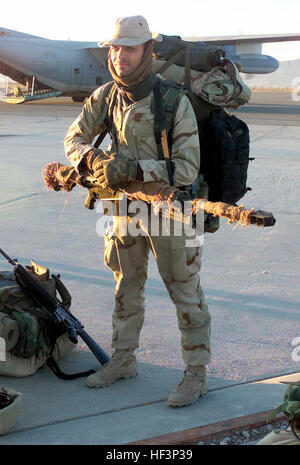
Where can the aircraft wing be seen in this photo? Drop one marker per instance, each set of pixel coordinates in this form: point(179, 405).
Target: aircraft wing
point(246, 39)
point(16, 34)
point(224, 40)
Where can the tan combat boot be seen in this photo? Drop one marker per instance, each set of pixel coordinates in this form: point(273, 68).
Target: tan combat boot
point(122, 365)
point(190, 388)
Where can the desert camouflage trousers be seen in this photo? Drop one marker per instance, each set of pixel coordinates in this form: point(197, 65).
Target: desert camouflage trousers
point(178, 265)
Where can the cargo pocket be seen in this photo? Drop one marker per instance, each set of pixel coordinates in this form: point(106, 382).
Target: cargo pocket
point(171, 254)
point(111, 258)
point(178, 258)
point(193, 260)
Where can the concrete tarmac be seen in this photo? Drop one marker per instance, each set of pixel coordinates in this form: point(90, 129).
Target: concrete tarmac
point(250, 277)
point(271, 108)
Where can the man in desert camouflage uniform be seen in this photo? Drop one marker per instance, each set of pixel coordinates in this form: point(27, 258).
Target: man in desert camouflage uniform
point(133, 156)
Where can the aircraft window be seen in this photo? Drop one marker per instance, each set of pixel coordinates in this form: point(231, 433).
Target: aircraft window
point(76, 70)
point(98, 80)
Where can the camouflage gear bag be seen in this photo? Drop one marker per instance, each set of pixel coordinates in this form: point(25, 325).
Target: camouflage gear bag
point(291, 407)
point(37, 332)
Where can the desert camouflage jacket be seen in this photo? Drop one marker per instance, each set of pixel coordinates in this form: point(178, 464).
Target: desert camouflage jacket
point(135, 138)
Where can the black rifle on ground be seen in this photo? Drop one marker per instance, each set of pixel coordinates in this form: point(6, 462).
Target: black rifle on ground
point(58, 313)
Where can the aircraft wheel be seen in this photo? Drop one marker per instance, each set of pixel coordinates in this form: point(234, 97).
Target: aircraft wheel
point(78, 99)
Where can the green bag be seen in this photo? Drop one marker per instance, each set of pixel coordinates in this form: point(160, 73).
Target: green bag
point(291, 407)
point(37, 332)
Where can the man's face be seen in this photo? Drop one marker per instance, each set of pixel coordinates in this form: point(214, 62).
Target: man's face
point(126, 59)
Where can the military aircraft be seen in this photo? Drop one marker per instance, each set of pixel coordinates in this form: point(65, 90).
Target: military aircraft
point(50, 68)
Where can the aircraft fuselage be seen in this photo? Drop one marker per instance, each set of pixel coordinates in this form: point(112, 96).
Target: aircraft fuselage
point(60, 65)
point(77, 68)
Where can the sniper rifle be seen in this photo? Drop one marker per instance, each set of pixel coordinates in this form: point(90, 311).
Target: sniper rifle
point(61, 177)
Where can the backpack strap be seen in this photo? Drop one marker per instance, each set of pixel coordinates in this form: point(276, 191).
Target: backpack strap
point(171, 61)
point(187, 65)
point(112, 98)
point(186, 51)
point(108, 90)
point(166, 97)
point(171, 95)
point(161, 133)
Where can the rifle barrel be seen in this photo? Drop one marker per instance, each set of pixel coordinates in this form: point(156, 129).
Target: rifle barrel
point(12, 262)
point(99, 353)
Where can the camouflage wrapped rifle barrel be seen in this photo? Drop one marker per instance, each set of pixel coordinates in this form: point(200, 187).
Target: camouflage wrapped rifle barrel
point(160, 195)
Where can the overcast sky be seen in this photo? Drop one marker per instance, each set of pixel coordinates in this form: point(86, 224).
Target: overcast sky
point(91, 20)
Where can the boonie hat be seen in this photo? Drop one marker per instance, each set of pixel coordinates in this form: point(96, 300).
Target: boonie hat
point(130, 31)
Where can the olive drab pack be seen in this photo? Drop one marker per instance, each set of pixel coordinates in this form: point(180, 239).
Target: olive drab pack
point(29, 333)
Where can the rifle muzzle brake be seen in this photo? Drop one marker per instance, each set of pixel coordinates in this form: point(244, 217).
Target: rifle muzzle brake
point(262, 219)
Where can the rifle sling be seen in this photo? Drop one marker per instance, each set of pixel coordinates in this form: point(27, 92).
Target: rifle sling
point(61, 375)
point(100, 138)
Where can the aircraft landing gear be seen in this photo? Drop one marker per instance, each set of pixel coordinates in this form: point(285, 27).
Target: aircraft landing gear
point(78, 99)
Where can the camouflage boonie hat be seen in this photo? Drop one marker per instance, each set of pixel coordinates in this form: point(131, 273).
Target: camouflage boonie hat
point(130, 31)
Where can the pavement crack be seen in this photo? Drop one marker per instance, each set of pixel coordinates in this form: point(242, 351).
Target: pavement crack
point(144, 404)
point(17, 199)
point(268, 133)
point(259, 379)
point(81, 417)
